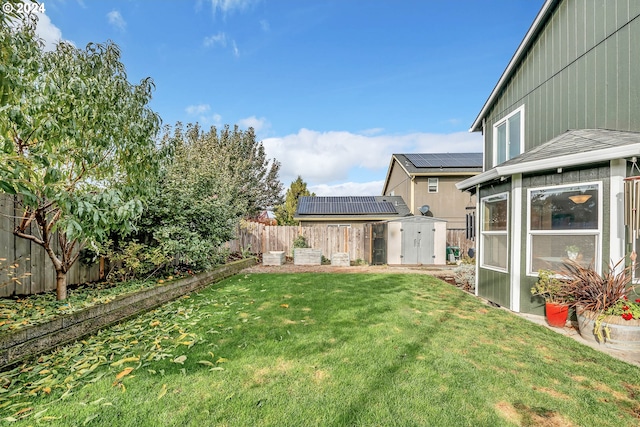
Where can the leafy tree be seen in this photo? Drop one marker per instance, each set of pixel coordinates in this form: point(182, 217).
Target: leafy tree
point(284, 212)
point(77, 143)
point(210, 181)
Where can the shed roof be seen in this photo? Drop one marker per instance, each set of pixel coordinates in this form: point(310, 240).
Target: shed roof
point(572, 148)
point(350, 207)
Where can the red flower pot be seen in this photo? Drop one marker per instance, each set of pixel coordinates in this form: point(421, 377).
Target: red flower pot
point(556, 314)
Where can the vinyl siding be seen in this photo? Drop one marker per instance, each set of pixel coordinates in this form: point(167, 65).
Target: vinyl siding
point(581, 72)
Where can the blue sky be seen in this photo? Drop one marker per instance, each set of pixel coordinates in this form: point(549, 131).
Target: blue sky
point(332, 87)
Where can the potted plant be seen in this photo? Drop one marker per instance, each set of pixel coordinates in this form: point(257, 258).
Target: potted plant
point(572, 252)
point(605, 312)
point(551, 288)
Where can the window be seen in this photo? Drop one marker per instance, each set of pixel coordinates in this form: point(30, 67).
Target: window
point(564, 223)
point(508, 137)
point(433, 185)
point(494, 240)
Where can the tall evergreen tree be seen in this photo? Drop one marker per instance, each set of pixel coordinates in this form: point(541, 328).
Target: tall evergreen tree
point(284, 212)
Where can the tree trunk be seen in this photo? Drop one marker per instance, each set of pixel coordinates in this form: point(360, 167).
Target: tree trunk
point(61, 285)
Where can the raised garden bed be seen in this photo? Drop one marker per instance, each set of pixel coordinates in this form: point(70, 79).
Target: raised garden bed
point(23, 343)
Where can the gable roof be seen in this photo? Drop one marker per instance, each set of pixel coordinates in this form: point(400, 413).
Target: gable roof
point(572, 148)
point(432, 164)
point(545, 12)
point(417, 163)
point(350, 207)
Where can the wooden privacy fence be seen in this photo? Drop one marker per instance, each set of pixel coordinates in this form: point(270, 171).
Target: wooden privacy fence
point(28, 261)
point(261, 238)
point(458, 237)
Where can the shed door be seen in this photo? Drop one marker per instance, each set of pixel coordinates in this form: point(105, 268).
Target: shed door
point(379, 244)
point(417, 243)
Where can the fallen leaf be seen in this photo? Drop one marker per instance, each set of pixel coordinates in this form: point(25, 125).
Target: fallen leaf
point(284, 305)
point(163, 391)
point(125, 360)
point(180, 359)
point(124, 373)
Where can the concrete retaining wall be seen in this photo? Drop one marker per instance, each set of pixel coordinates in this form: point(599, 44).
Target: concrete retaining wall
point(37, 339)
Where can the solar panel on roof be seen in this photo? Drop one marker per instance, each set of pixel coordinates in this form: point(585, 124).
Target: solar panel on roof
point(445, 160)
point(343, 205)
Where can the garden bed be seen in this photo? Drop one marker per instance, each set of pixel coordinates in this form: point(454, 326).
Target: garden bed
point(23, 343)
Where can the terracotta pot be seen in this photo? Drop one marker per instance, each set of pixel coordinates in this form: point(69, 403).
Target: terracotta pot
point(556, 314)
point(616, 332)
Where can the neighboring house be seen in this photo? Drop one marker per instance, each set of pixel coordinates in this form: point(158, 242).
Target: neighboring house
point(429, 180)
point(561, 133)
point(348, 211)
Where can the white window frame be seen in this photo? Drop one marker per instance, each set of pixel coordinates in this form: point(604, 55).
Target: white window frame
point(505, 120)
point(583, 232)
point(429, 180)
point(483, 233)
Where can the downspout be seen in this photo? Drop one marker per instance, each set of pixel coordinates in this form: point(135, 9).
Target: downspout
point(412, 194)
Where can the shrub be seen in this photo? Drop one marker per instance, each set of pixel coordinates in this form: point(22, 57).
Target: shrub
point(135, 260)
point(465, 277)
point(300, 242)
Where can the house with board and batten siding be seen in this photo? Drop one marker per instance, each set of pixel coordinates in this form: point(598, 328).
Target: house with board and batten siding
point(561, 135)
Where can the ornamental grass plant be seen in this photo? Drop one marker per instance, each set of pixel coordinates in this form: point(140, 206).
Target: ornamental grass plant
point(589, 290)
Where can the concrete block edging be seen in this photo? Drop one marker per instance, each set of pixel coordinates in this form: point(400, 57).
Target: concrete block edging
point(28, 342)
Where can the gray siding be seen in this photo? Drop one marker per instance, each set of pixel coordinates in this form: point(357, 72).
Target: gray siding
point(495, 285)
point(583, 71)
point(602, 174)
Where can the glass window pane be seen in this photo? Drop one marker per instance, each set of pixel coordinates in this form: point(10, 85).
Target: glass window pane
point(514, 135)
point(495, 250)
point(494, 216)
point(568, 208)
point(550, 252)
point(501, 143)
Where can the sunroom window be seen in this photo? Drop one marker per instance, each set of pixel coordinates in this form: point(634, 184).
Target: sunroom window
point(495, 251)
point(564, 224)
point(508, 137)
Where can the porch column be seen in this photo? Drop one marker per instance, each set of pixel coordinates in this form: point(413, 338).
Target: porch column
point(616, 210)
point(515, 234)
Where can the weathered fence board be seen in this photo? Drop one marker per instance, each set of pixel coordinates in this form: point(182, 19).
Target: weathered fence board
point(262, 238)
point(34, 268)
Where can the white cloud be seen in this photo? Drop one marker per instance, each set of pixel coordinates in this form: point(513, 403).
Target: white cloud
point(198, 109)
point(219, 39)
point(226, 6)
point(116, 20)
point(332, 157)
point(258, 124)
point(372, 188)
point(49, 33)
point(203, 116)
point(236, 52)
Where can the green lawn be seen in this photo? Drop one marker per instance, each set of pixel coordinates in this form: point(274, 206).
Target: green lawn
point(325, 350)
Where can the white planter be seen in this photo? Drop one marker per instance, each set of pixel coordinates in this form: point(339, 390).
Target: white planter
point(307, 256)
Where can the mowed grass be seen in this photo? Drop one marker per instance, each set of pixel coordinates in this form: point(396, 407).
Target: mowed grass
point(331, 350)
